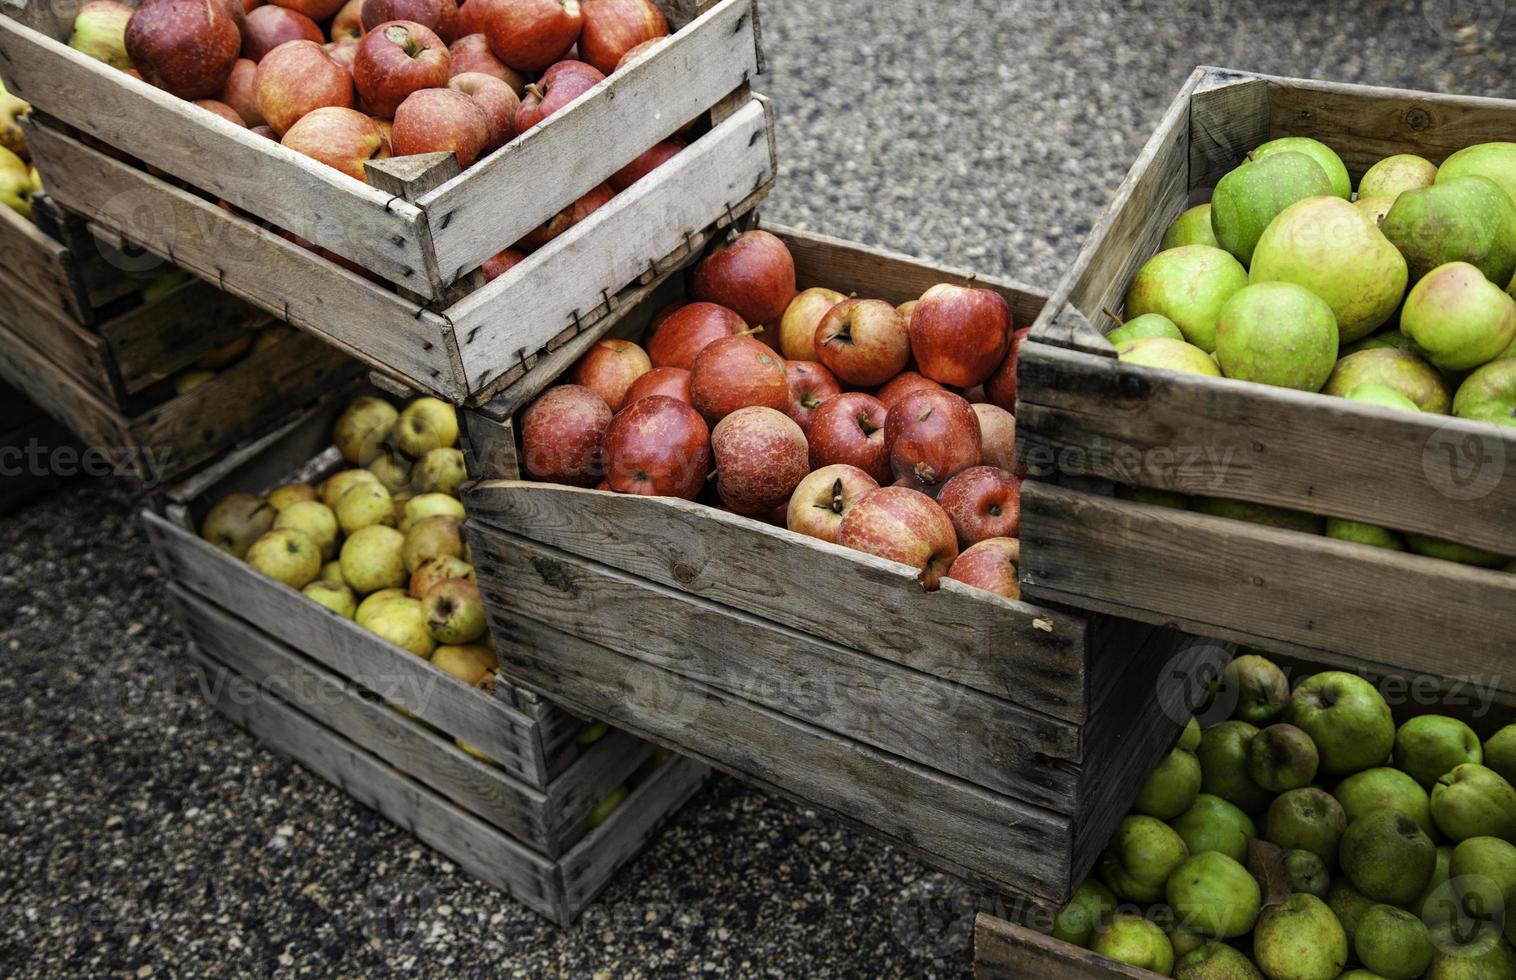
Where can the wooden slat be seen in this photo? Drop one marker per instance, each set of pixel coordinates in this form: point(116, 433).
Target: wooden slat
point(484, 210)
point(55, 391)
point(972, 832)
point(35, 315)
point(1015, 651)
point(157, 339)
point(1267, 586)
point(38, 261)
point(1211, 436)
point(937, 723)
point(590, 778)
point(1003, 951)
point(227, 161)
point(369, 322)
point(1229, 116)
point(535, 301)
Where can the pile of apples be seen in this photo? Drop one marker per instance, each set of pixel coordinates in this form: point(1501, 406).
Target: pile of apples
point(1302, 834)
point(348, 81)
point(884, 429)
point(19, 181)
point(1400, 297)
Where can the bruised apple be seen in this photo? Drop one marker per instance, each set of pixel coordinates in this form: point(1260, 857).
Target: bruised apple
point(931, 435)
point(658, 446)
point(823, 499)
point(849, 428)
point(687, 330)
point(902, 525)
point(761, 456)
point(810, 385)
point(737, 372)
point(982, 502)
point(561, 434)
point(990, 565)
point(609, 368)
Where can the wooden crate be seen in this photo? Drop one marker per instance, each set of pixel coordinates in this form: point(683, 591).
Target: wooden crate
point(25, 426)
point(419, 226)
point(1088, 415)
point(319, 688)
point(998, 739)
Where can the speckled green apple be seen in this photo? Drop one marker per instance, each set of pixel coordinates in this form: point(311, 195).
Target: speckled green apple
point(1277, 333)
point(1188, 285)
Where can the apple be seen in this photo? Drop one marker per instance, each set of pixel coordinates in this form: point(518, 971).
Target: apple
point(761, 456)
point(454, 612)
point(797, 327)
point(810, 385)
point(902, 525)
point(990, 565)
point(438, 16)
point(472, 53)
point(440, 569)
point(343, 52)
point(313, 519)
point(500, 263)
point(241, 92)
point(219, 357)
point(997, 436)
point(658, 446)
point(614, 27)
point(347, 25)
point(1000, 387)
point(959, 333)
point(296, 78)
point(342, 138)
point(472, 663)
point(223, 110)
point(637, 52)
point(269, 27)
point(438, 536)
point(561, 434)
point(333, 487)
point(496, 98)
point(683, 333)
point(823, 498)
point(609, 368)
point(906, 309)
point(863, 341)
point(671, 381)
point(334, 596)
point(903, 384)
point(439, 470)
point(558, 86)
point(424, 505)
point(290, 493)
point(648, 161)
point(395, 59)
point(931, 435)
point(570, 216)
point(471, 19)
point(362, 428)
point(402, 621)
point(363, 505)
point(186, 47)
point(392, 470)
point(982, 502)
point(100, 32)
point(236, 521)
point(529, 35)
point(438, 120)
point(737, 372)
point(753, 275)
point(368, 609)
point(849, 428)
point(288, 556)
point(425, 424)
point(317, 10)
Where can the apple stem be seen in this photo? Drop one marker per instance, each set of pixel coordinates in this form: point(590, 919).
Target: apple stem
point(750, 331)
point(1107, 311)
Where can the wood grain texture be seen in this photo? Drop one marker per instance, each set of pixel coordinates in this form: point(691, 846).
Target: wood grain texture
point(41, 262)
point(1003, 951)
point(52, 329)
point(1267, 586)
point(55, 391)
point(1425, 473)
point(961, 731)
point(157, 339)
point(1229, 116)
point(1015, 651)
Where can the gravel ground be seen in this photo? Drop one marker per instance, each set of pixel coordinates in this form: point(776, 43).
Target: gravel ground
point(143, 835)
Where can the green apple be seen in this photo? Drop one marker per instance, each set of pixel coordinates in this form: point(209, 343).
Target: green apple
point(1249, 197)
point(1500, 753)
point(1348, 905)
point(603, 810)
point(1496, 161)
point(402, 621)
point(1469, 219)
point(1182, 939)
point(316, 520)
point(1484, 870)
point(332, 572)
point(373, 559)
point(1329, 247)
point(1490, 960)
point(1347, 719)
point(1382, 395)
point(1489, 394)
point(425, 424)
point(1429, 745)
point(1172, 788)
point(1300, 939)
point(439, 536)
point(291, 493)
point(1307, 819)
point(364, 505)
point(1458, 318)
point(371, 604)
point(287, 556)
point(1262, 690)
point(236, 521)
point(1254, 513)
point(1191, 228)
point(1375, 208)
point(1387, 857)
point(1306, 872)
point(1463, 554)
point(1384, 338)
point(1142, 854)
point(1474, 801)
point(1277, 333)
point(1216, 961)
point(1282, 757)
point(1147, 325)
point(334, 596)
point(1223, 758)
point(1214, 896)
point(1331, 164)
point(12, 110)
point(1213, 824)
point(434, 570)
point(1383, 786)
point(425, 505)
point(1401, 370)
point(454, 612)
point(1188, 285)
point(595, 732)
point(1091, 905)
point(1169, 354)
point(1134, 940)
point(442, 471)
point(100, 32)
point(1394, 175)
point(1435, 904)
point(1153, 497)
point(1369, 534)
point(1189, 739)
point(16, 189)
point(334, 486)
point(362, 428)
point(392, 470)
point(471, 663)
point(1393, 943)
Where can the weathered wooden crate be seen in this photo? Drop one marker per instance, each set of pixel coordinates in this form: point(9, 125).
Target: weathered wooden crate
point(998, 739)
point(321, 689)
point(419, 225)
point(1085, 414)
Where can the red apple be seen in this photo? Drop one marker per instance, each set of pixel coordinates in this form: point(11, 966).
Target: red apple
point(737, 372)
point(500, 263)
point(903, 384)
point(849, 428)
point(241, 92)
point(472, 53)
point(570, 216)
point(317, 10)
point(810, 385)
point(659, 446)
point(932, 435)
point(395, 59)
point(997, 435)
point(561, 434)
point(983, 502)
point(990, 565)
point(902, 525)
point(685, 332)
point(347, 25)
point(341, 138)
point(863, 341)
point(671, 381)
point(754, 276)
point(614, 27)
point(637, 52)
point(823, 499)
point(470, 19)
point(297, 77)
point(797, 327)
point(436, 120)
point(1001, 386)
point(496, 98)
point(645, 164)
point(269, 27)
point(761, 456)
point(529, 35)
point(343, 52)
point(959, 333)
point(186, 47)
point(558, 86)
point(221, 109)
point(266, 131)
point(609, 368)
point(438, 16)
